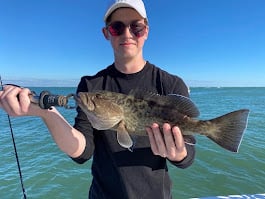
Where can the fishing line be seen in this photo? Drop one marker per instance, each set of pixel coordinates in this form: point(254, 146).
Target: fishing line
point(15, 149)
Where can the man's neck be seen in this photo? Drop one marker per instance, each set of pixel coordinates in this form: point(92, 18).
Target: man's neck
point(130, 66)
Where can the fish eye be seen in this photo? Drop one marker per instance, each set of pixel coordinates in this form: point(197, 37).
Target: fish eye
point(98, 96)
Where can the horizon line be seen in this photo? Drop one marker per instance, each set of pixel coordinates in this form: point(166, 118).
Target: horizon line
point(45, 82)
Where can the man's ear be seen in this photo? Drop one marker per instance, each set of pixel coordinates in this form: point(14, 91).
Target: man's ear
point(105, 33)
point(147, 32)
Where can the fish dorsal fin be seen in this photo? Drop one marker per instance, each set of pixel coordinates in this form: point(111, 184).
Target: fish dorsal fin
point(179, 102)
point(142, 94)
point(184, 105)
point(123, 136)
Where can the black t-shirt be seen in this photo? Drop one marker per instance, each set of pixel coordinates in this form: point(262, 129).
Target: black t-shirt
point(117, 172)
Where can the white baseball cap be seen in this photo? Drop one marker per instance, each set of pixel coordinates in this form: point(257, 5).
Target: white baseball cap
point(138, 5)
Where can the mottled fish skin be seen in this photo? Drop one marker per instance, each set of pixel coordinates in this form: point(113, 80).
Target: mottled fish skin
point(131, 114)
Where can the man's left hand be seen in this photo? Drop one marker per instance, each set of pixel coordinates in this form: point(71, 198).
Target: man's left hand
point(169, 143)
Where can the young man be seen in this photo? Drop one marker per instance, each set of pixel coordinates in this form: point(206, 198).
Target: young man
point(117, 172)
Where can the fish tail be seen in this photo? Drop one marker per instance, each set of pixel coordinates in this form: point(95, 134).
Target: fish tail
point(228, 129)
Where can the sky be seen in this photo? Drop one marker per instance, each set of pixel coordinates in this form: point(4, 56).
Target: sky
point(205, 42)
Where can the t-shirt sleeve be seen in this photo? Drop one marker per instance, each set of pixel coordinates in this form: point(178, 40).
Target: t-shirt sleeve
point(189, 159)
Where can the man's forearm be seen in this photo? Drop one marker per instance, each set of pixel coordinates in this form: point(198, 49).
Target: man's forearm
point(68, 139)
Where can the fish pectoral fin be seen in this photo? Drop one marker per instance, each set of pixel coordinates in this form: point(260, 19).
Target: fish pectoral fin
point(123, 136)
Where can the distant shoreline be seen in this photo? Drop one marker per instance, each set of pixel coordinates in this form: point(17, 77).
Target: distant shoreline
point(74, 83)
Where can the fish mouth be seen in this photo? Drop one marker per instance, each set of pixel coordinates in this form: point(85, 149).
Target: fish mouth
point(84, 102)
point(77, 99)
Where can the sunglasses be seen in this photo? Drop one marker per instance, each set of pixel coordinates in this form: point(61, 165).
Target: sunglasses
point(117, 28)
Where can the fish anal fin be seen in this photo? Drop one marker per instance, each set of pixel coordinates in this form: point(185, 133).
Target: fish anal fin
point(123, 136)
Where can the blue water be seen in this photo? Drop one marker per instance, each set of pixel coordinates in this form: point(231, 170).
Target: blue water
point(48, 173)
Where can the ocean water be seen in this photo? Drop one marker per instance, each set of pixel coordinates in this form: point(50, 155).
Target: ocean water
point(48, 173)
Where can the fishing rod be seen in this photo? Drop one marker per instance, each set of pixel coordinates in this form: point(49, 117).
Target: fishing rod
point(15, 149)
point(45, 101)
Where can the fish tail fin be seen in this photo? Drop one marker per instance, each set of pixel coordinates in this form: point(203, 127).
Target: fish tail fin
point(229, 129)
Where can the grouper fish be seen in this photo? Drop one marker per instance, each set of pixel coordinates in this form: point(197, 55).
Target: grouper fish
point(131, 114)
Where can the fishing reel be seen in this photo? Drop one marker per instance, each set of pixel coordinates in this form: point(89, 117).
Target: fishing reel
point(46, 100)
